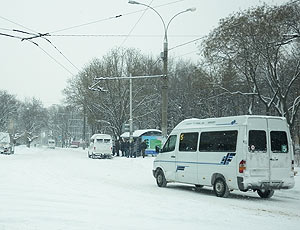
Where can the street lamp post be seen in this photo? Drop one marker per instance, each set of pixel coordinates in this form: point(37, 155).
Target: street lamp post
point(164, 87)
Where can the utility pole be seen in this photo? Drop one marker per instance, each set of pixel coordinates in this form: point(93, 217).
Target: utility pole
point(84, 127)
point(130, 116)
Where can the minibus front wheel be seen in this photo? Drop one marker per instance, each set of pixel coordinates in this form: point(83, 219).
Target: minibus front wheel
point(160, 179)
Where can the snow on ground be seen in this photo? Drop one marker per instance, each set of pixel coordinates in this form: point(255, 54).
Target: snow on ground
point(62, 189)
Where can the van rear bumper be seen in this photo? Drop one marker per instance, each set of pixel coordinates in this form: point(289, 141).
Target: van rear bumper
point(278, 184)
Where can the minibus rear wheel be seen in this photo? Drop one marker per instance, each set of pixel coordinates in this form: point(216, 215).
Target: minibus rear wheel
point(264, 193)
point(220, 188)
point(160, 179)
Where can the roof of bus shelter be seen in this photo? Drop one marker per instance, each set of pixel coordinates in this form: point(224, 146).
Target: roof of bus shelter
point(140, 132)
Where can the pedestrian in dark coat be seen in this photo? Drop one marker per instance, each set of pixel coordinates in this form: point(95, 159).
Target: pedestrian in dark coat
point(122, 145)
point(143, 147)
point(126, 148)
point(117, 148)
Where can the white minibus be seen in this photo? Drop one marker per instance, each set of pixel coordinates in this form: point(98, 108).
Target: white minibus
point(100, 146)
point(51, 144)
point(230, 153)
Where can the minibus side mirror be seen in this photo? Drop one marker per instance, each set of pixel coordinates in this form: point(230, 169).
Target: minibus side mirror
point(157, 149)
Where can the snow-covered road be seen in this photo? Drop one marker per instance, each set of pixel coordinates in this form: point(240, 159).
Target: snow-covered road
point(62, 189)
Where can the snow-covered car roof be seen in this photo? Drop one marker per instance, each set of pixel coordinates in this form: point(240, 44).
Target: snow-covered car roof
point(100, 135)
point(140, 132)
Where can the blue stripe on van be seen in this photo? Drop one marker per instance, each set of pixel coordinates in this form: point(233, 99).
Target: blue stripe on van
point(187, 162)
point(225, 161)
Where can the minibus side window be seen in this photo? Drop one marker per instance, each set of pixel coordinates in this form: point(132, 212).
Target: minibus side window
point(279, 143)
point(257, 141)
point(188, 142)
point(170, 144)
point(218, 141)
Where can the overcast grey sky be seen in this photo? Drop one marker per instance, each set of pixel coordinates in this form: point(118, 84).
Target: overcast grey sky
point(27, 70)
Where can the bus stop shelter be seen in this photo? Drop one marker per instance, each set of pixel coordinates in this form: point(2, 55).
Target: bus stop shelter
point(153, 139)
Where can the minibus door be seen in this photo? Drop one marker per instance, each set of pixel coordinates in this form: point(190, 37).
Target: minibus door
point(186, 158)
point(280, 155)
point(258, 156)
point(167, 157)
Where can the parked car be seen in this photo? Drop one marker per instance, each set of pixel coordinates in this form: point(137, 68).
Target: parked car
point(6, 147)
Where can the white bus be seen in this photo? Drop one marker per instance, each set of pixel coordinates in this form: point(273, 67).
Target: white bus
point(100, 146)
point(230, 153)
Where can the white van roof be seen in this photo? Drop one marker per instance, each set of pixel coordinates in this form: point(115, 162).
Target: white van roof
point(220, 121)
point(101, 136)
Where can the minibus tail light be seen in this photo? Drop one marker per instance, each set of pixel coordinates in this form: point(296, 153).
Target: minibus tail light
point(293, 165)
point(242, 166)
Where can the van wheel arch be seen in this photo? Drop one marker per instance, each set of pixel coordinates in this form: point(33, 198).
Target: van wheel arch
point(216, 176)
point(157, 170)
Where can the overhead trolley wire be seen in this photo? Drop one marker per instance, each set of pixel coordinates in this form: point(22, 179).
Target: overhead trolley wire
point(61, 65)
point(11, 36)
point(5, 29)
point(144, 11)
point(111, 17)
point(35, 35)
point(6, 19)
point(116, 35)
point(186, 43)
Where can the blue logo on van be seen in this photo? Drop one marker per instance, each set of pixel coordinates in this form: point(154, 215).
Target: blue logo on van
point(233, 122)
point(227, 159)
point(180, 168)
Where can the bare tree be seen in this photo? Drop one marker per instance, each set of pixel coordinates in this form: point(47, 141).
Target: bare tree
point(253, 42)
point(107, 101)
point(8, 112)
point(32, 118)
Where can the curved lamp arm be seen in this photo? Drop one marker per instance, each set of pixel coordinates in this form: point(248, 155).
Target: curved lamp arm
point(161, 18)
point(187, 10)
point(138, 3)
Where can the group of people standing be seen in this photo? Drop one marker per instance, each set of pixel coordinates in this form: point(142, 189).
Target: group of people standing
point(123, 146)
point(128, 149)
